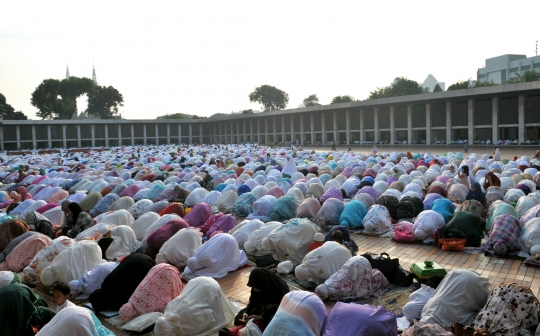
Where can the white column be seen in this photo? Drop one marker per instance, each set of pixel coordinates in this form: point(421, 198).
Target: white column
point(428, 124)
point(283, 137)
point(180, 133)
point(312, 129)
point(495, 120)
point(119, 134)
point(348, 126)
point(157, 133)
point(132, 134)
point(392, 125)
point(362, 136)
point(274, 129)
point(144, 134)
point(168, 134)
point(191, 134)
point(448, 122)
point(238, 134)
point(64, 140)
point(334, 121)
point(244, 131)
point(409, 124)
point(79, 136)
point(470, 130)
point(231, 131)
point(92, 129)
point(302, 140)
point(376, 121)
point(106, 135)
point(34, 143)
point(293, 138)
point(49, 137)
point(521, 119)
point(323, 129)
point(266, 131)
point(259, 130)
point(18, 136)
point(200, 134)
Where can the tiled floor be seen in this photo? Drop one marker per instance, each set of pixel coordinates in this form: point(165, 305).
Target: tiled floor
point(497, 270)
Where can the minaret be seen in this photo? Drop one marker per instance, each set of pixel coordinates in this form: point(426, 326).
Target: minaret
point(67, 72)
point(94, 74)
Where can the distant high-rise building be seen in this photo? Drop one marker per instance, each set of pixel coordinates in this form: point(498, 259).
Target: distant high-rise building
point(67, 72)
point(430, 82)
point(502, 68)
point(94, 74)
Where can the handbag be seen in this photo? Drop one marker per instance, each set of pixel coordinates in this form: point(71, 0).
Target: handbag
point(404, 234)
point(390, 268)
point(452, 244)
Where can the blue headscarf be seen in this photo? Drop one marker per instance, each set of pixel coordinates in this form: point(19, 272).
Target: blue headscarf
point(243, 189)
point(477, 195)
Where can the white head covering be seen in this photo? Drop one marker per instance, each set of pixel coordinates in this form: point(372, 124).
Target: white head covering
point(242, 231)
point(216, 257)
point(322, 262)
point(142, 223)
point(179, 248)
point(201, 309)
point(72, 263)
point(458, 299)
point(6, 277)
point(124, 243)
point(119, 217)
point(69, 321)
point(291, 241)
point(254, 243)
point(319, 237)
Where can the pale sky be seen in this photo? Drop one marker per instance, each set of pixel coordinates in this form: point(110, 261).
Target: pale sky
point(204, 57)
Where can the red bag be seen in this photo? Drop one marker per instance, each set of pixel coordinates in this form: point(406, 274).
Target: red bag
point(452, 244)
point(403, 232)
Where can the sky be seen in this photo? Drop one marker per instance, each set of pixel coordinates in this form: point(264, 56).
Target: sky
point(205, 57)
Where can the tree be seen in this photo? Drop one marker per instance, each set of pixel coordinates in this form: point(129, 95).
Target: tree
point(311, 100)
point(103, 101)
point(437, 88)
point(8, 112)
point(57, 99)
point(402, 86)
point(342, 99)
point(250, 111)
point(464, 84)
point(270, 97)
point(218, 115)
point(174, 116)
point(527, 76)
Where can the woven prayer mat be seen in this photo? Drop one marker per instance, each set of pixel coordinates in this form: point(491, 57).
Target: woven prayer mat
point(393, 299)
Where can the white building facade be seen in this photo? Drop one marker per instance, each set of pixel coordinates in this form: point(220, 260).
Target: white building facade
point(502, 68)
point(430, 82)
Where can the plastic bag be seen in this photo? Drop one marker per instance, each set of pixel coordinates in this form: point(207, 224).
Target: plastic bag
point(250, 329)
point(142, 322)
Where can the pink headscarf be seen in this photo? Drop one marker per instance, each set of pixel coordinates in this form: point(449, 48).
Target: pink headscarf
point(160, 286)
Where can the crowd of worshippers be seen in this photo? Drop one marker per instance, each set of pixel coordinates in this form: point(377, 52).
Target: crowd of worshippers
point(146, 230)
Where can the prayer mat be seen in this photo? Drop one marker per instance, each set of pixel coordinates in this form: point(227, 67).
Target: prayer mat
point(104, 313)
point(516, 257)
point(373, 234)
point(393, 299)
point(473, 250)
